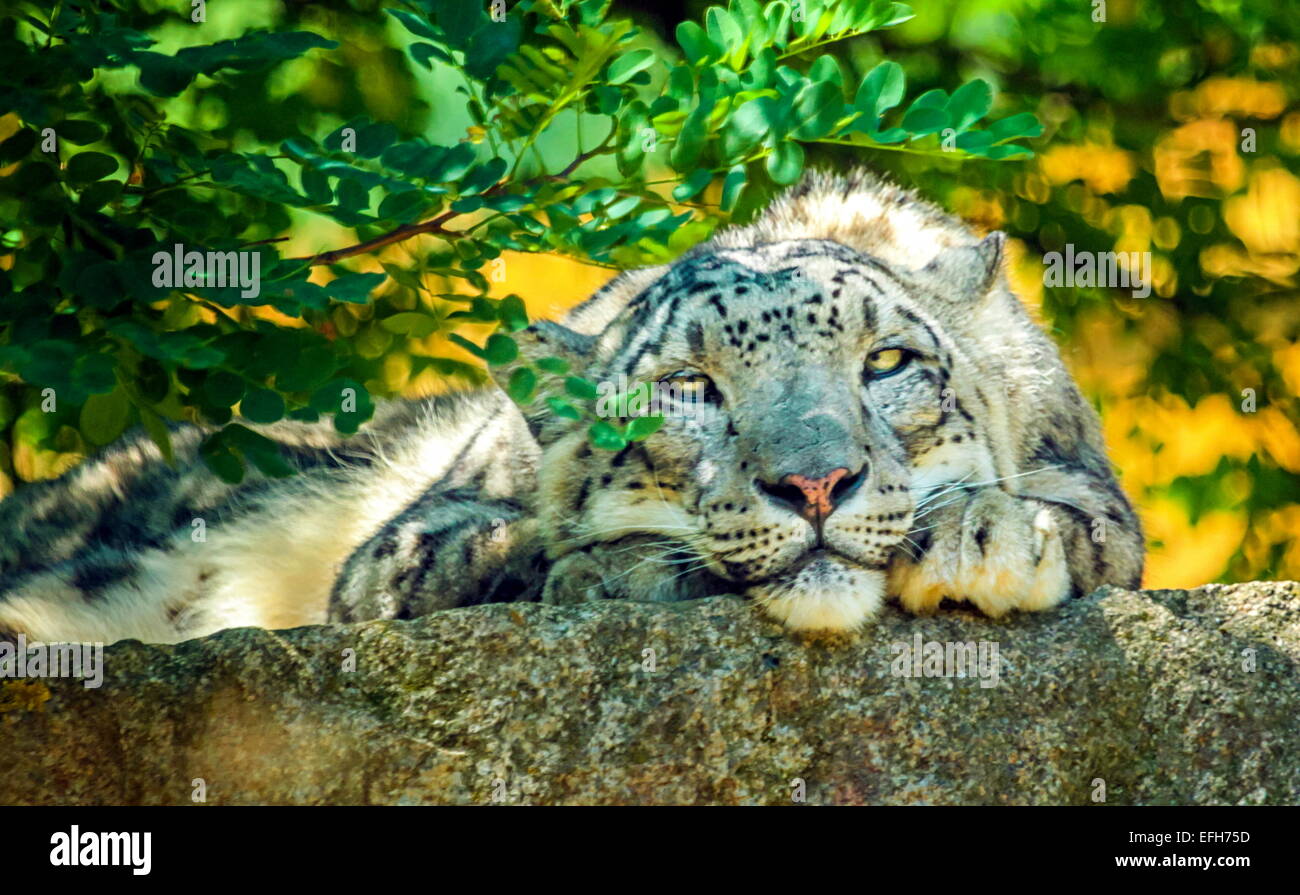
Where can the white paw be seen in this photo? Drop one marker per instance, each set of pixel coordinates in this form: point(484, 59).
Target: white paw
point(996, 551)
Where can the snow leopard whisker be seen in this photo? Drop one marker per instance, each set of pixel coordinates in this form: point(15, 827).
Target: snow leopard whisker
point(961, 483)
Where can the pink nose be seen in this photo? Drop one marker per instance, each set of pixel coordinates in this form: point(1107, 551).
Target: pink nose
point(818, 496)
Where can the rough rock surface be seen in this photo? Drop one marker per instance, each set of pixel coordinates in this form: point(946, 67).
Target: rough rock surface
point(1148, 691)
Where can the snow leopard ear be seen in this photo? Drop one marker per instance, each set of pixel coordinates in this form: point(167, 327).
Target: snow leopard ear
point(540, 345)
point(544, 340)
point(967, 272)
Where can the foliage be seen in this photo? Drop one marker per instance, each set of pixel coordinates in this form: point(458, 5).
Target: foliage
point(93, 199)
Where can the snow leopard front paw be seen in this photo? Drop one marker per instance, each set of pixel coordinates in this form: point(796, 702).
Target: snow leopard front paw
point(637, 568)
point(992, 549)
point(573, 579)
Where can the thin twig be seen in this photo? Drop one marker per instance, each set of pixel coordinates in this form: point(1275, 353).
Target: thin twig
point(404, 232)
point(435, 225)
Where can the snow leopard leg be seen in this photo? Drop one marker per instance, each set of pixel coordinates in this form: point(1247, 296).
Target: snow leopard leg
point(447, 549)
point(1001, 551)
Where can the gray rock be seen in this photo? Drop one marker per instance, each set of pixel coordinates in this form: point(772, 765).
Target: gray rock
point(1147, 691)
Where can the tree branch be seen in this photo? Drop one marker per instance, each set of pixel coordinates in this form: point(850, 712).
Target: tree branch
point(434, 225)
point(406, 231)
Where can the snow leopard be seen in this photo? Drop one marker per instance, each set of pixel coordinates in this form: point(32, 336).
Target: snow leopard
point(876, 417)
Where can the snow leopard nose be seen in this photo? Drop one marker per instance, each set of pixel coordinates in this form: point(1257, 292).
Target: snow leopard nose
point(813, 498)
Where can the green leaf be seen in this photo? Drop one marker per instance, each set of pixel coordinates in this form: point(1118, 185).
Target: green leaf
point(581, 388)
point(152, 381)
point(589, 202)
point(642, 427)
point(94, 373)
point(97, 195)
point(522, 385)
point(491, 45)
point(221, 459)
point(695, 43)
point(748, 125)
point(557, 366)
point(168, 75)
point(410, 323)
point(468, 204)
point(563, 408)
point(451, 165)
point(606, 437)
point(889, 135)
point(262, 451)
point(500, 349)
point(732, 187)
point(778, 17)
point(414, 24)
point(353, 196)
point(725, 32)
point(785, 164)
point(104, 417)
point(262, 405)
point(404, 207)
point(270, 464)
point(827, 69)
point(1007, 151)
point(458, 19)
point(354, 287)
point(422, 53)
point(1015, 127)
point(881, 90)
point(931, 99)
point(309, 369)
point(698, 180)
point(816, 110)
point(482, 310)
point(86, 167)
point(223, 389)
point(924, 120)
point(974, 142)
point(373, 139)
point(626, 66)
point(80, 132)
point(97, 285)
point(622, 207)
point(484, 176)
point(690, 141)
point(18, 146)
point(512, 313)
point(969, 103)
point(348, 400)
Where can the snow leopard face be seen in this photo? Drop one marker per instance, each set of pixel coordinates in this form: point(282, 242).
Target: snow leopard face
point(828, 401)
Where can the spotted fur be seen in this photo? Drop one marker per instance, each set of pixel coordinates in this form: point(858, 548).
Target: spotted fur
point(808, 480)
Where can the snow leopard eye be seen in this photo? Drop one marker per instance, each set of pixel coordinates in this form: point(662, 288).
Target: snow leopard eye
point(886, 362)
point(694, 386)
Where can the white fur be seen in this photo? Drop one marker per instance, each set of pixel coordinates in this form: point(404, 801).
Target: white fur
point(816, 600)
point(265, 569)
